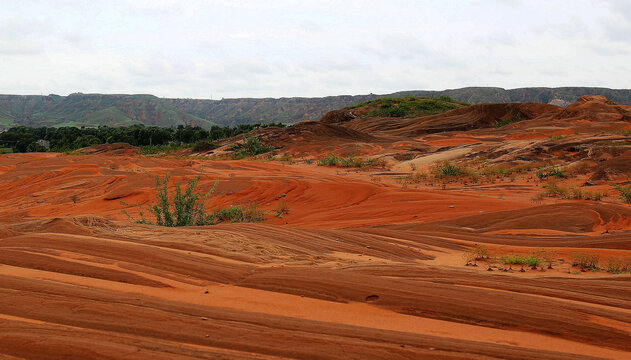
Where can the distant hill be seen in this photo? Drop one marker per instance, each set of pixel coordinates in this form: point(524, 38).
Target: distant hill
point(116, 110)
point(92, 110)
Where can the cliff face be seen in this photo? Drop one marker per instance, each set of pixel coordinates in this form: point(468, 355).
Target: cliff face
point(118, 110)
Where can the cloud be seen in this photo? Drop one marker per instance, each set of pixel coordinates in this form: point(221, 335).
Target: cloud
point(195, 48)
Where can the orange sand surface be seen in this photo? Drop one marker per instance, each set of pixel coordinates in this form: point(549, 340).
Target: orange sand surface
point(358, 268)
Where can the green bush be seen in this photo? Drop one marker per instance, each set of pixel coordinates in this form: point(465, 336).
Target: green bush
point(235, 214)
point(203, 146)
point(187, 208)
point(250, 146)
point(557, 173)
point(329, 160)
point(349, 161)
point(625, 193)
point(447, 169)
point(180, 209)
point(586, 261)
point(507, 121)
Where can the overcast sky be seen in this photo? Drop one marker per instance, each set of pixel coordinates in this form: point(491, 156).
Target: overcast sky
point(204, 49)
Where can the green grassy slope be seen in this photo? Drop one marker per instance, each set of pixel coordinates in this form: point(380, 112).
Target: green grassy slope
point(94, 110)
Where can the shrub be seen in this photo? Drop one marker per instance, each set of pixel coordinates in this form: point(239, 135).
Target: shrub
point(555, 137)
point(250, 146)
point(625, 193)
point(282, 209)
point(478, 252)
point(614, 265)
point(329, 160)
point(557, 173)
point(203, 146)
point(555, 190)
point(533, 261)
point(349, 161)
point(249, 213)
point(585, 261)
point(417, 177)
point(514, 260)
point(446, 169)
point(507, 121)
point(181, 209)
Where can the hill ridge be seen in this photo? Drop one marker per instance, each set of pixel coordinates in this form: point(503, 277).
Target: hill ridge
point(79, 109)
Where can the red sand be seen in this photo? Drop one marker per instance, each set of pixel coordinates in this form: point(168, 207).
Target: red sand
point(92, 288)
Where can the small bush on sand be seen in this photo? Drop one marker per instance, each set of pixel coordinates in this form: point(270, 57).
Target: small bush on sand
point(329, 160)
point(625, 193)
point(349, 161)
point(511, 260)
point(585, 261)
point(447, 169)
point(180, 209)
point(614, 265)
point(282, 209)
point(250, 146)
point(557, 173)
point(478, 252)
point(187, 208)
point(249, 213)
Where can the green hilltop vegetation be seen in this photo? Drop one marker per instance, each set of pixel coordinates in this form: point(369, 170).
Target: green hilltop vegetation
point(409, 106)
point(92, 110)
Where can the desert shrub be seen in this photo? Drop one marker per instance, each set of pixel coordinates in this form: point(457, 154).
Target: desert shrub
point(507, 121)
point(555, 137)
point(575, 193)
point(180, 209)
point(594, 196)
point(203, 145)
point(625, 193)
point(237, 213)
point(533, 261)
point(417, 177)
point(552, 189)
point(614, 265)
point(282, 209)
point(511, 260)
point(557, 173)
point(585, 261)
point(286, 158)
point(250, 146)
point(447, 169)
point(349, 161)
point(329, 160)
point(478, 252)
point(481, 252)
point(164, 148)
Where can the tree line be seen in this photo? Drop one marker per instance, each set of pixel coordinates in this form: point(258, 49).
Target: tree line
point(63, 139)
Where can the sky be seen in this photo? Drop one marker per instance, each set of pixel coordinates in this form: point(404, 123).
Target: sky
point(226, 49)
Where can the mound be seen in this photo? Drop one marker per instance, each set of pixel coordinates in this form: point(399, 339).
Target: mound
point(595, 108)
point(567, 217)
point(110, 149)
point(337, 116)
point(619, 166)
point(462, 119)
point(310, 135)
